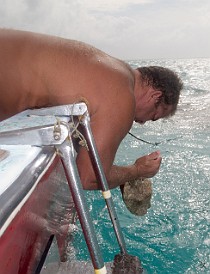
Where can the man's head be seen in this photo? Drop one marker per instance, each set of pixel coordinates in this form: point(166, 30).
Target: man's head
point(159, 93)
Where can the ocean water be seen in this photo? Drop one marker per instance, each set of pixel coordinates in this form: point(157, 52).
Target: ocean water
point(174, 236)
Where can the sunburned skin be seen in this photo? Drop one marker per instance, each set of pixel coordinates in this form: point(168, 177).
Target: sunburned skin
point(42, 71)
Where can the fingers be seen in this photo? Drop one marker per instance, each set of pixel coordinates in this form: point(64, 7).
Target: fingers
point(154, 155)
point(148, 165)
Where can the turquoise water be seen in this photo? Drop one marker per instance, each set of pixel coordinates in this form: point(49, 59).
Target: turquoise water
point(174, 236)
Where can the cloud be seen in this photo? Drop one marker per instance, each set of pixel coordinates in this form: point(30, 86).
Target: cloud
point(123, 28)
point(39, 15)
point(112, 5)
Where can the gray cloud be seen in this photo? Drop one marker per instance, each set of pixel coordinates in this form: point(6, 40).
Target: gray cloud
point(123, 28)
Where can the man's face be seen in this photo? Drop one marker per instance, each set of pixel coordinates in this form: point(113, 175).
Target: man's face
point(152, 111)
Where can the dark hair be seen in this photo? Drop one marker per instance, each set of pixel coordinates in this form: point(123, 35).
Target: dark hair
point(165, 80)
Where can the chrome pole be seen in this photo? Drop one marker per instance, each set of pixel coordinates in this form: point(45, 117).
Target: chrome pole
point(96, 162)
point(66, 152)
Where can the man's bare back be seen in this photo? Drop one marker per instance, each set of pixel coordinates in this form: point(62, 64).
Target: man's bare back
point(39, 71)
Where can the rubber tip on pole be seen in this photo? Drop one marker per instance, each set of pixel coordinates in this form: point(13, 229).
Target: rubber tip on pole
point(101, 270)
point(106, 194)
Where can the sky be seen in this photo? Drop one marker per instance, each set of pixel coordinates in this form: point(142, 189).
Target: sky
point(126, 29)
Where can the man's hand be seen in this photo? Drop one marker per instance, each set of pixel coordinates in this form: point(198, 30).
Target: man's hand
point(147, 166)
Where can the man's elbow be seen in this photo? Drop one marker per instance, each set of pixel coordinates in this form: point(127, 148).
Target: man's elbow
point(89, 178)
point(89, 183)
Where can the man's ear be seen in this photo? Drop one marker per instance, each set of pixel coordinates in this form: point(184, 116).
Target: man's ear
point(157, 96)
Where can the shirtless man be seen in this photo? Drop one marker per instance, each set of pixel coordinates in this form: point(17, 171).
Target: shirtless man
point(41, 71)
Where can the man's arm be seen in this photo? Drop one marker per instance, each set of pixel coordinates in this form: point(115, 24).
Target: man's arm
point(109, 124)
point(144, 167)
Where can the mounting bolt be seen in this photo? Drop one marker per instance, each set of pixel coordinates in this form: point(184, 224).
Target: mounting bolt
point(57, 135)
